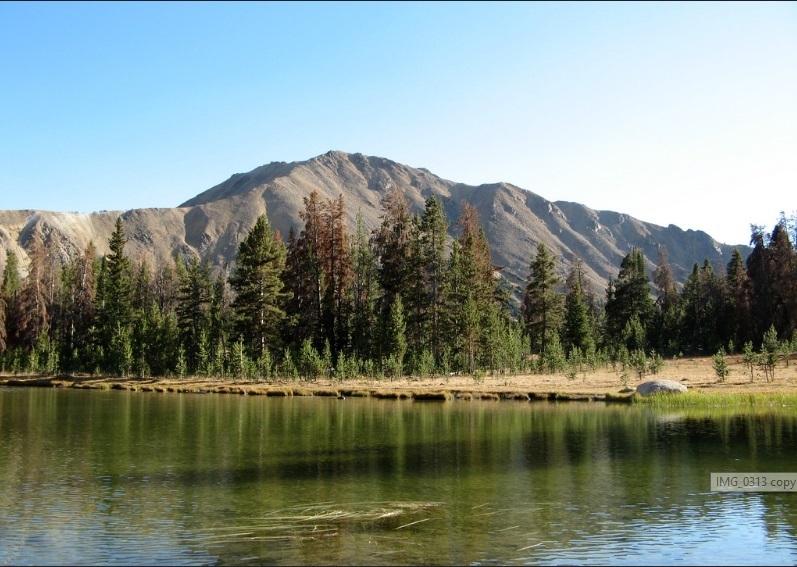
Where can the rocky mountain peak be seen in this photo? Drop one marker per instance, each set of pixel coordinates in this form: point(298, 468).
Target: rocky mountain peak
point(515, 220)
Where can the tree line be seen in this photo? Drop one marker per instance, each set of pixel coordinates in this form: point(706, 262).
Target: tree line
point(402, 299)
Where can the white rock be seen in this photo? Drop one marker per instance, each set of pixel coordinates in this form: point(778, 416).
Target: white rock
point(653, 386)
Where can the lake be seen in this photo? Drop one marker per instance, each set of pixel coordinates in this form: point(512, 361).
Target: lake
point(120, 477)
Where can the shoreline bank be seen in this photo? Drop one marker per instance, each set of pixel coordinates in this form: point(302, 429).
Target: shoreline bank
point(604, 385)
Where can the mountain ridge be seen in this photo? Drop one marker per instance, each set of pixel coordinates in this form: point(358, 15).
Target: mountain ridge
point(214, 222)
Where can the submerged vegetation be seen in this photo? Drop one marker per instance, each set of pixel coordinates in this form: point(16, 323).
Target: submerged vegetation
point(325, 520)
point(402, 300)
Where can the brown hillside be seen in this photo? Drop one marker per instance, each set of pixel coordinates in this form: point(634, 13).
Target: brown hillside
point(515, 220)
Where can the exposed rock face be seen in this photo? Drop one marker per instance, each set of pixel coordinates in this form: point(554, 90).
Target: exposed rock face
point(654, 386)
point(213, 223)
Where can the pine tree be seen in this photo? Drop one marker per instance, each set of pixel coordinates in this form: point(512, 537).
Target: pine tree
point(491, 339)
point(392, 243)
point(304, 276)
point(219, 315)
point(433, 236)
point(10, 284)
point(470, 331)
point(784, 279)
point(542, 303)
point(257, 282)
point(738, 303)
point(476, 253)
point(141, 297)
point(318, 274)
point(364, 292)
point(142, 289)
point(193, 308)
point(413, 294)
point(759, 273)
point(118, 285)
point(666, 323)
point(703, 300)
point(577, 330)
point(395, 339)
point(769, 352)
point(114, 309)
point(169, 351)
point(337, 268)
point(628, 296)
point(166, 286)
point(470, 293)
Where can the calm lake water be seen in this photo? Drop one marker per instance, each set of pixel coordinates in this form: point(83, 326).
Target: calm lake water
point(115, 477)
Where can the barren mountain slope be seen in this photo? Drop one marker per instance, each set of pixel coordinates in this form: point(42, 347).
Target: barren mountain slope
point(515, 220)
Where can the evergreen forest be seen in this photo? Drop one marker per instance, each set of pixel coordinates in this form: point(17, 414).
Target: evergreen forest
point(402, 299)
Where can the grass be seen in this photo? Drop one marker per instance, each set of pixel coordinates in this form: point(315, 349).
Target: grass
point(327, 393)
point(391, 394)
point(522, 396)
point(701, 399)
point(356, 393)
point(275, 392)
point(426, 395)
point(488, 396)
point(623, 398)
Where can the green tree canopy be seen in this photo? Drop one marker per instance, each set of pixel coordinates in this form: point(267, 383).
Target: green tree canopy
point(257, 282)
point(628, 296)
point(542, 303)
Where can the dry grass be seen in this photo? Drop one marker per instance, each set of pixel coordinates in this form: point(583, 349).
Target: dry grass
point(391, 394)
point(695, 373)
point(432, 395)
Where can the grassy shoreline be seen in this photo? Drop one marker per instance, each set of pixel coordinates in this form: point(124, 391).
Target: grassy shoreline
point(601, 386)
point(717, 399)
point(385, 390)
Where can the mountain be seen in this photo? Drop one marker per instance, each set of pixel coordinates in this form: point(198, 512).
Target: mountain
point(515, 220)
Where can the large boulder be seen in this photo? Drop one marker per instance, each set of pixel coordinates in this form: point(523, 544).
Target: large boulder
point(654, 386)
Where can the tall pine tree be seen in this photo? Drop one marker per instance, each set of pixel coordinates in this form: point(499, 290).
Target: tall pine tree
point(577, 329)
point(336, 263)
point(668, 313)
point(628, 298)
point(433, 238)
point(114, 309)
point(542, 303)
point(737, 285)
point(193, 309)
point(259, 300)
point(364, 293)
point(471, 295)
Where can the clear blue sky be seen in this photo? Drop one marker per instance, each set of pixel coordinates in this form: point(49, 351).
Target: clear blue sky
point(675, 113)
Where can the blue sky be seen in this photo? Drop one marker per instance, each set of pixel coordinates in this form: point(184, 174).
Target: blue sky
point(675, 113)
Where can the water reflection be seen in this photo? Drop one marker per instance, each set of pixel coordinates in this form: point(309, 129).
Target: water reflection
point(139, 478)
